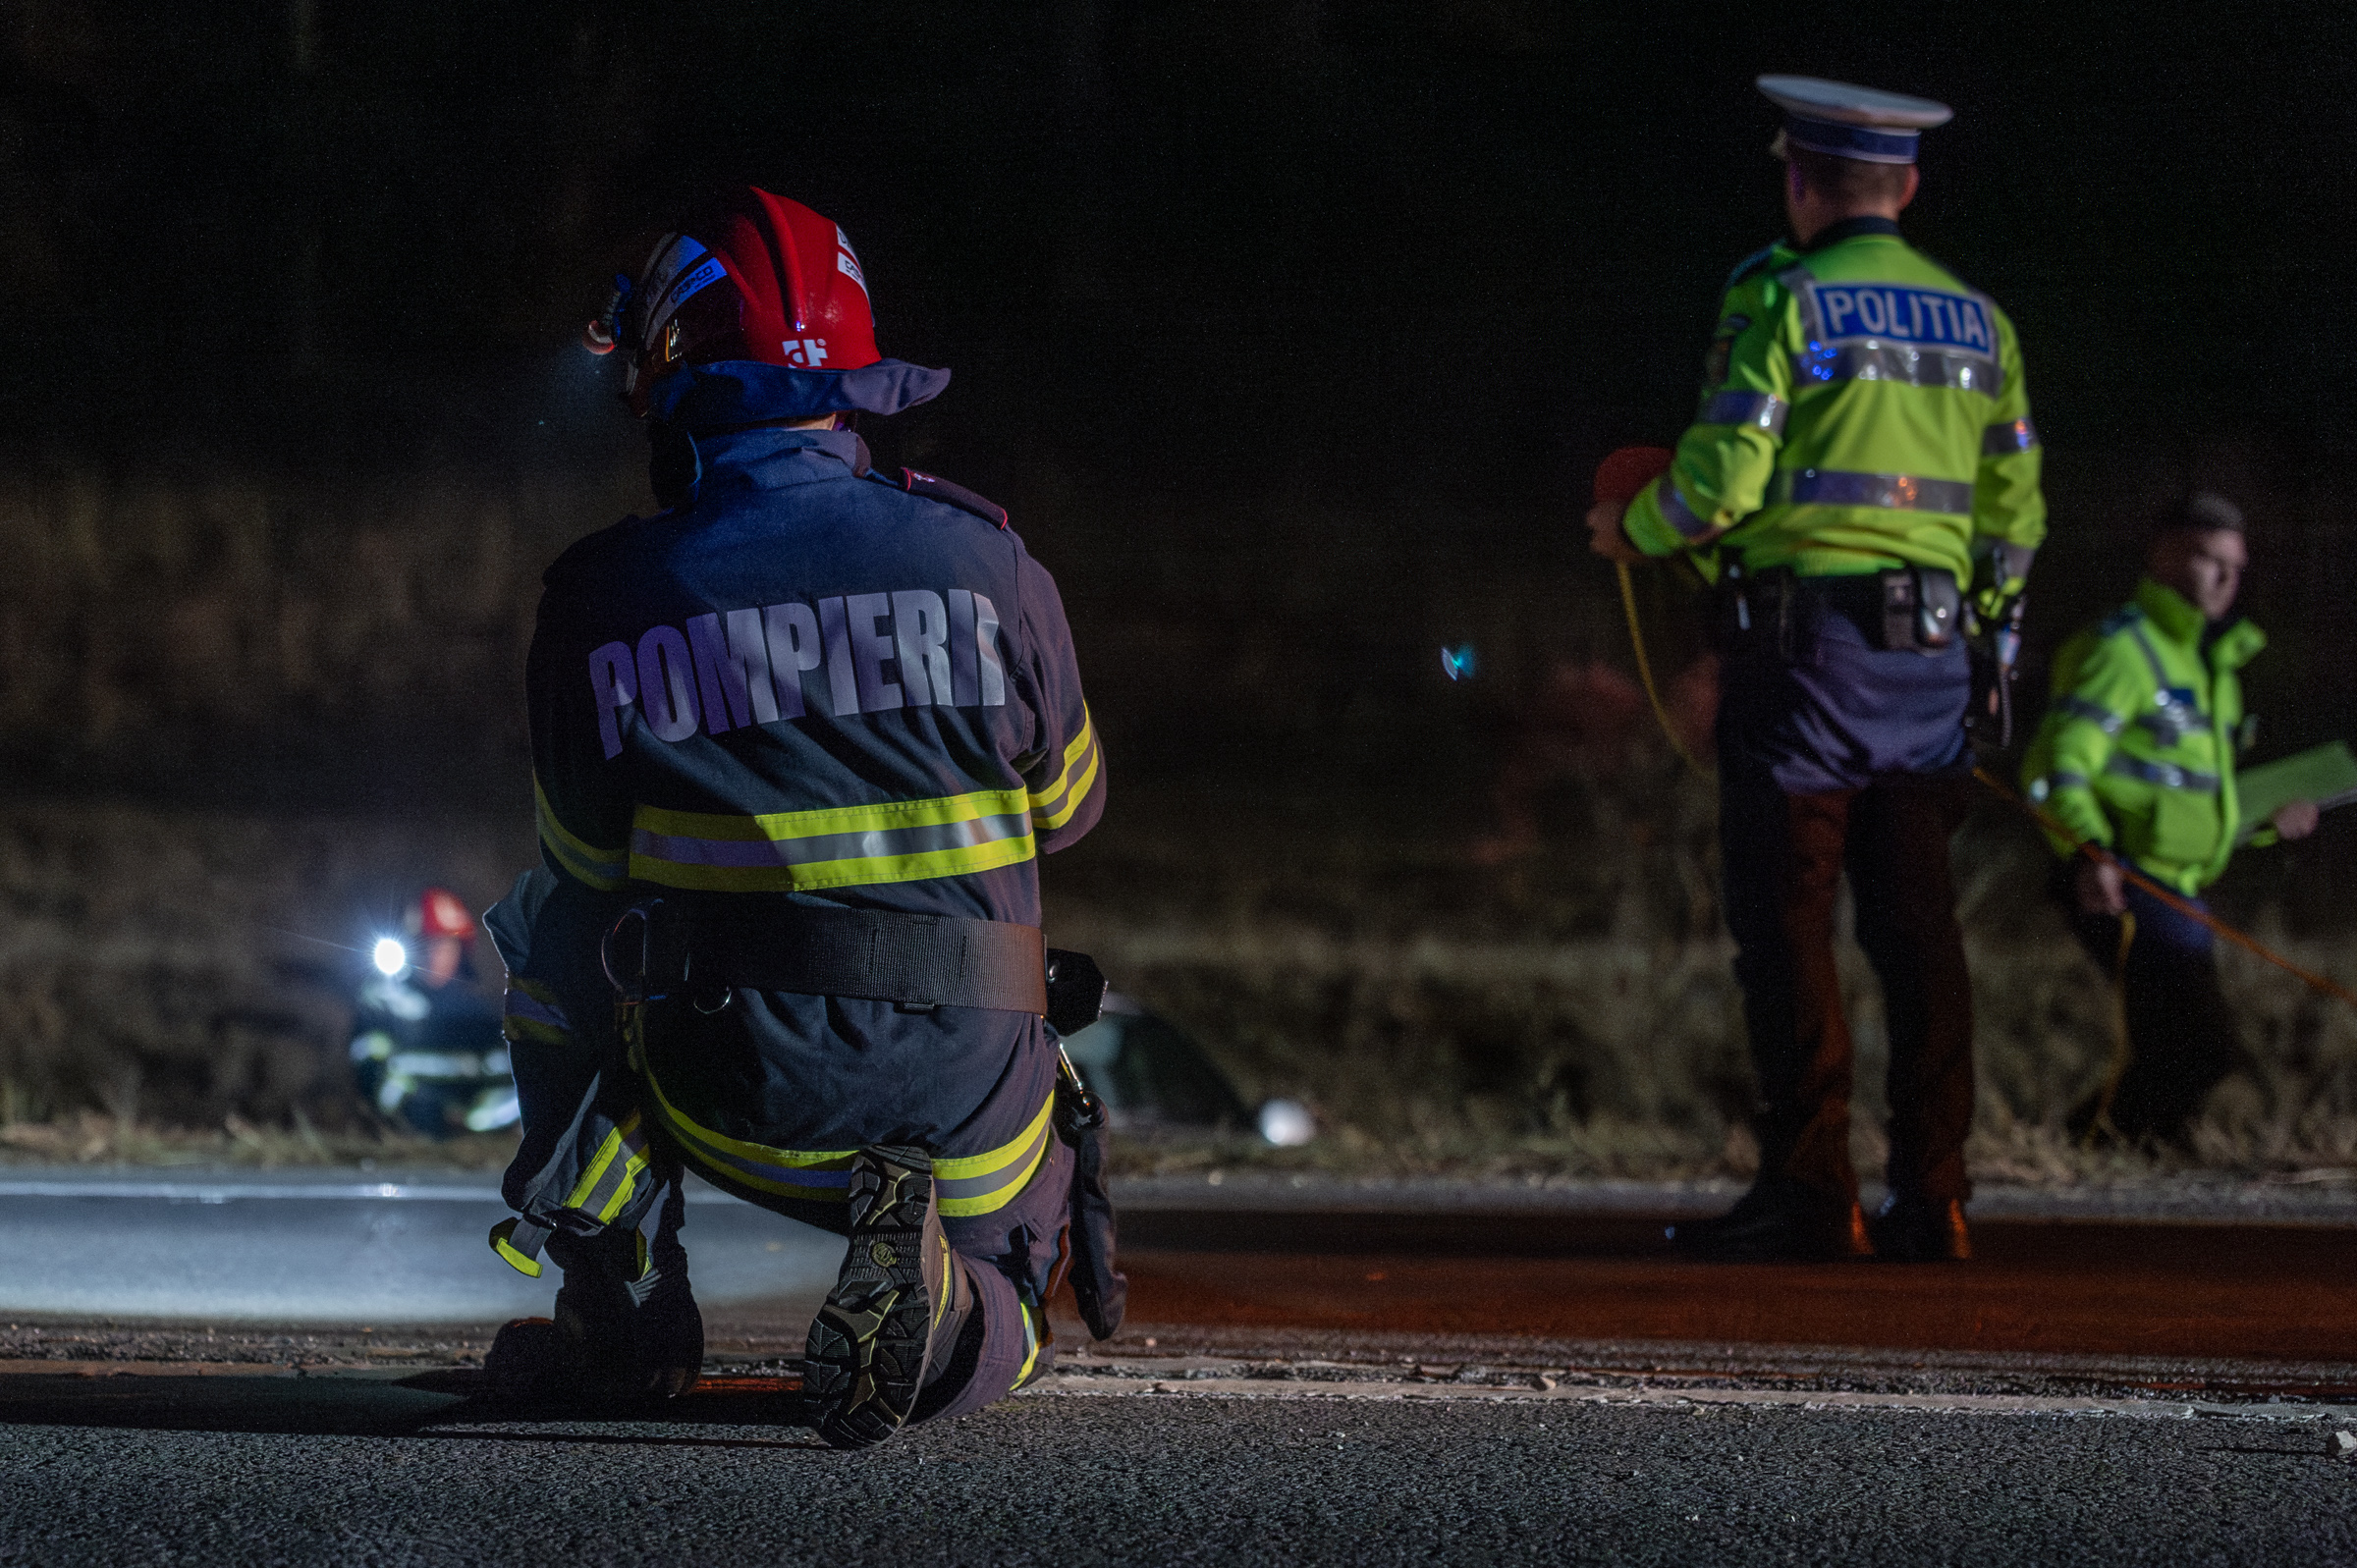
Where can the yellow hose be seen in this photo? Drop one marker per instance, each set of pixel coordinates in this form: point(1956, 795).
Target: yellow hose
point(1636, 641)
point(2123, 1051)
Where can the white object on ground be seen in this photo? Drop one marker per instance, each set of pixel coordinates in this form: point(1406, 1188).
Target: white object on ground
point(1287, 1123)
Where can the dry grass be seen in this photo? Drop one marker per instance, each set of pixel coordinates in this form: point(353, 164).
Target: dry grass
point(86, 1138)
point(169, 992)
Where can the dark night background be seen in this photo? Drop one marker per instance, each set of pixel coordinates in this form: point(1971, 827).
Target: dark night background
point(1405, 260)
point(1290, 331)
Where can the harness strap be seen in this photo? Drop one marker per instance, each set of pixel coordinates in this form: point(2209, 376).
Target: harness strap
point(879, 954)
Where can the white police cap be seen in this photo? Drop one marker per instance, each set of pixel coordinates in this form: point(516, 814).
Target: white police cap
point(1849, 122)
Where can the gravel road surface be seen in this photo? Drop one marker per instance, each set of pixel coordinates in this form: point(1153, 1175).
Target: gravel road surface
point(266, 1471)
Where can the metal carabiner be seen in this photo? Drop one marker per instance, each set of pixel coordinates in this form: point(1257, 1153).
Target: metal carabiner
point(634, 991)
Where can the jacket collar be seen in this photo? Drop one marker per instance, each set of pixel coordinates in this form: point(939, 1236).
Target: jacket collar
point(761, 456)
point(2174, 616)
point(1833, 234)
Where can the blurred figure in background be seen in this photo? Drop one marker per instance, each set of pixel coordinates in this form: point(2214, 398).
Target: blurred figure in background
point(2136, 756)
point(428, 1052)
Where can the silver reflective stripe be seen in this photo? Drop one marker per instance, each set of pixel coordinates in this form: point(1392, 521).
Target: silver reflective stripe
point(2173, 722)
point(2001, 441)
point(2094, 712)
point(818, 848)
point(2166, 775)
point(1874, 359)
point(1897, 492)
point(2061, 779)
point(1760, 410)
point(521, 1006)
point(1689, 527)
point(436, 1064)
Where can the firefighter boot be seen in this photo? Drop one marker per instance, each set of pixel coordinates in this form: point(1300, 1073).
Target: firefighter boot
point(873, 1341)
point(669, 1325)
point(625, 1327)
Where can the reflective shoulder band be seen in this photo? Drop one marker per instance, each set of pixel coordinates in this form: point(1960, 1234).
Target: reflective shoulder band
point(2152, 655)
point(1762, 410)
point(1691, 528)
point(2002, 441)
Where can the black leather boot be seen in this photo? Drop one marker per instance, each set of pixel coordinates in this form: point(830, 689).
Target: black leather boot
point(1777, 1222)
point(1910, 1230)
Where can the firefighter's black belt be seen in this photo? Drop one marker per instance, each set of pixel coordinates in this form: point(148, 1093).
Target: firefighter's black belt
point(879, 954)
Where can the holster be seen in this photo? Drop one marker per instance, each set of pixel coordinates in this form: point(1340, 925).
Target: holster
point(1101, 1290)
point(1995, 660)
point(1763, 615)
point(1922, 608)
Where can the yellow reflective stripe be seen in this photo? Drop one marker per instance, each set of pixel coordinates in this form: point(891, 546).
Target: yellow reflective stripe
point(528, 1267)
point(777, 826)
point(597, 1196)
point(837, 846)
point(823, 1176)
point(1080, 787)
point(820, 1175)
point(963, 862)
point(967, 1166)
point(602, 869)
point(981, 1184)
point(1030, 1345)
point(529, 1012)
point(941, 1297)
point(1054, 807)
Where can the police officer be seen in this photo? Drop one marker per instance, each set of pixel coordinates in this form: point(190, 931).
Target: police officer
point(798, 742)
point(1863, 449)
point(2136, 756)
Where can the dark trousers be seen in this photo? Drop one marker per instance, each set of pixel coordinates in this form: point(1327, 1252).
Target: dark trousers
point(1785, 859)
point(1849, 758)
point(2180, 1035)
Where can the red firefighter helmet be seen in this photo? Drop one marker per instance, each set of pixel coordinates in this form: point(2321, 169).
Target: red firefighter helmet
point(439, 912)
point(756, 278)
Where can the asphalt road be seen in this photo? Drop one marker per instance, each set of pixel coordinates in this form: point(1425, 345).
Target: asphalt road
point(228, 1470)
point(1303, 1382)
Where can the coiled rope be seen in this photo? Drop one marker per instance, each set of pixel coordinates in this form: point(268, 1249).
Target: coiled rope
point(1636, 641)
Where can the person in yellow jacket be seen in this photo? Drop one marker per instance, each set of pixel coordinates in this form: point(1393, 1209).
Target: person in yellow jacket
point(2136, 756)
point(1862, 456)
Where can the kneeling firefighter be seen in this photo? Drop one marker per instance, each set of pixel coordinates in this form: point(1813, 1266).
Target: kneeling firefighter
point(798, 742)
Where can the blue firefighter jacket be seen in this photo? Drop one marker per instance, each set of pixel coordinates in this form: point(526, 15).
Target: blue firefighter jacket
point(806, 685)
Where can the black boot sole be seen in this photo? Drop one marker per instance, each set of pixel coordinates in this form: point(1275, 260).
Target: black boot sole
point(864, 1364)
